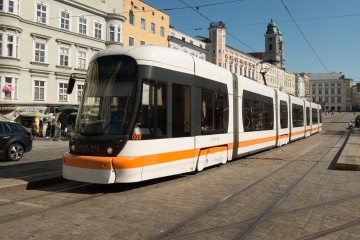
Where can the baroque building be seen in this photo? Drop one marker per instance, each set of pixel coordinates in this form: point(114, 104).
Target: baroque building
point(265, 67)
point(43, 42)
point(274, 45)
point(186, 43)
point(145, 24)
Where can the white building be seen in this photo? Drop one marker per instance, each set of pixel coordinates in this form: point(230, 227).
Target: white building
point(332, 90)
point(185, 43)
point(43, 42)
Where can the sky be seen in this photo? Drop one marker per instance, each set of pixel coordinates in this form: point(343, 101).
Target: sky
point(320, 36)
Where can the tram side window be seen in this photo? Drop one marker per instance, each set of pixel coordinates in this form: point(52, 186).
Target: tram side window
point(283, 114)
point(181, 105)
point(214, 112)
point(314, 116)
point(308, 116)
point(151, 120)
point(297, 115)
point(258, 112)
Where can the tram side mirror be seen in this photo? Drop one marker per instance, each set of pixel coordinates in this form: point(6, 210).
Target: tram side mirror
point(71, 85)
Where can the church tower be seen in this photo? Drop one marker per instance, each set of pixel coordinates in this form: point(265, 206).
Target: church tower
point(274, 46)
point(217, 35)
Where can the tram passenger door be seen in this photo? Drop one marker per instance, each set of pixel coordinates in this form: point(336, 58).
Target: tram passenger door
point(181, 111)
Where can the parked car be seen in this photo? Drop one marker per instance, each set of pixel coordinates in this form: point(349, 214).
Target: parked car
point(15, 140)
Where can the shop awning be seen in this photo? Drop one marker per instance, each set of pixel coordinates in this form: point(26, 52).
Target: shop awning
point(67, 108)
point(34, 115)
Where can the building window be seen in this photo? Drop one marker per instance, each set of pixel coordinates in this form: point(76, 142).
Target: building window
point(131, 41)
point(40, 52)
point(9, 45)
point(112, 34)
point(97, 30)
point(82, 25)
point(118, 34)
point(332, 99)
point(1, 5)
point(62, 92)
point(64, 56)
point(11, 82)
point(41, 13)
point(39, 90)
point(320, 89)
point(142, 24)
point(1, 43)
point(80, 92)
point(152, 27)
point(142, 42)
point(339, 88)
point(82, 60)
point(162, 32)
point(339, 99)
point(332, 88)
point(131, 18)
point(65, 20)
point(11, 6)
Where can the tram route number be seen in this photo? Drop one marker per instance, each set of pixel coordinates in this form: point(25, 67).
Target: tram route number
point(136, 137)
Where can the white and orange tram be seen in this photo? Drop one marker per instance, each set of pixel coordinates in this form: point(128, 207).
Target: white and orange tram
point(149, 112)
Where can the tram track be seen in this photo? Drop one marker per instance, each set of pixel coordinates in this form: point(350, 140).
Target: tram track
point(250, 224)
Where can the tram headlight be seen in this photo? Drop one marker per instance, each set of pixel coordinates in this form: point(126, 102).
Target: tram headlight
point(109, 150)
point(72, 147)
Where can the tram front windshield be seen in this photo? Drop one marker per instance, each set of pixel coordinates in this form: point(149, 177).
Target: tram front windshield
point(108, 101)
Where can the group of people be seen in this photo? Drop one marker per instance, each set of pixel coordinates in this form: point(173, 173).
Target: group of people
point(53, 130)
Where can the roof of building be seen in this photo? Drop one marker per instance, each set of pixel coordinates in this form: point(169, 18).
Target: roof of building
point(325, 76)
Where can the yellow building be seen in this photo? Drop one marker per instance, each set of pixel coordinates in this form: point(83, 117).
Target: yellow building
point(145, 25)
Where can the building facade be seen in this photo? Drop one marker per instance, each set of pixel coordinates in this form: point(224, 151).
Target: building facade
point(185, 43)
point(43, 42)
point(356, 97)
point(145, 25)
point(251, 65)
point(302, 86)
point(332, 90)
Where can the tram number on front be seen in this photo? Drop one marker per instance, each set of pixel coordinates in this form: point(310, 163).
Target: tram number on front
point(136, 137)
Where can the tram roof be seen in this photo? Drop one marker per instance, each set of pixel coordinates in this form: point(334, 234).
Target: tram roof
point(172, 59)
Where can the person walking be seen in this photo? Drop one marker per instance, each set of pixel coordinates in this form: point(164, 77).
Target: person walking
point(57, 130)
point(34, 130)
point(48, 129)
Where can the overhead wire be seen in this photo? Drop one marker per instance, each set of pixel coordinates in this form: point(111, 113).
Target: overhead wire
point(196, 9)
point(305, 38)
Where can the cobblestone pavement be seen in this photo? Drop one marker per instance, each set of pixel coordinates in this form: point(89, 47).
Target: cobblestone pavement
point(291, 192)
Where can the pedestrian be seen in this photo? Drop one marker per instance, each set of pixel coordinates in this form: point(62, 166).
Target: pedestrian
point(41, 128)
point(350, 125)
point(52, 131)
point(34, 129)
point(48, 130)
point(57, 130)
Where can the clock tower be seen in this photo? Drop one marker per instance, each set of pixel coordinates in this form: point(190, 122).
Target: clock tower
point(274, 46)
